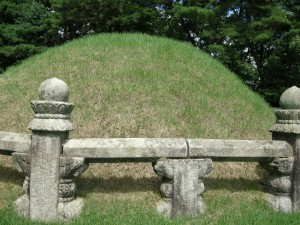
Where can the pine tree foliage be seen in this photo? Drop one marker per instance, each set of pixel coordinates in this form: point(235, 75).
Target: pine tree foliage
point(258, 40)
point(23, 30)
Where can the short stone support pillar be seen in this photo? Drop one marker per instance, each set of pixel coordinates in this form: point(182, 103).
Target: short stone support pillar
point(278, 183)
point(284, 181)
point(50, 177)
point(182, 186)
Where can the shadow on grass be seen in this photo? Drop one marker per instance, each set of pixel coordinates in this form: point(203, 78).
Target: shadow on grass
point(11, 175)
point(232, 184)
point(118, 184)
point(128, 184)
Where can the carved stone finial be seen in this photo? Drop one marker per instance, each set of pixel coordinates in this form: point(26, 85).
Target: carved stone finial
point(52, 111)
point(290, 99)
point(288, 117)
point(54, 89)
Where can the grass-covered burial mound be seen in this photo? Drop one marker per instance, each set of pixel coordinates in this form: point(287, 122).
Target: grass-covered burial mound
point(133, 85)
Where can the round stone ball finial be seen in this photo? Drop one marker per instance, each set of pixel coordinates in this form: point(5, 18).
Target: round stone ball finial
point(290, 99)
point(54, 89)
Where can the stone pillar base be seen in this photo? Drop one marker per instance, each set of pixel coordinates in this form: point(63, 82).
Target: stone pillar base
point(280, 203)
point(66, 211)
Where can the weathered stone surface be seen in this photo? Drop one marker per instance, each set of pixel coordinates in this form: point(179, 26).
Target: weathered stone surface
point(201, 187)
point(164, 168)
point(21, 206)
point(71, 167)
point(290, 99)
point(280, 184)
point(66, 211)
point(288, 119)
point(280, 203)
point(69, 210)
point(126, 147)
point(51, 116)
point(14, 142)
point(296, 177)
point(238, 148)
point(22, 162)
point(287, 116)
point(26, 186)
point(164, 207)
point(292, 127)
point(166, 190)
point(44, 177)
point(67, 189)
point(204, 167)
point(50, 124)
point(186, 186)
point(282, 166)
point(52, 110)
point(54, 89)
point(183, 190)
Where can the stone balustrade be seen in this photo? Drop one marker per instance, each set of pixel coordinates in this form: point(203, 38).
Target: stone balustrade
point(151, 149)
point(51, 161)
point(13, 142)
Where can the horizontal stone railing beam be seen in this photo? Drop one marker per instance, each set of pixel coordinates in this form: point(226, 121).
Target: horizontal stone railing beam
point(150, 149)
point(13, 142)
point(238, 150)
point(141, 149)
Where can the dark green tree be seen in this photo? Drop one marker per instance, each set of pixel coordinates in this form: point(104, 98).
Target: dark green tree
point(78, 18)
point(24, 30)
point(257, 39)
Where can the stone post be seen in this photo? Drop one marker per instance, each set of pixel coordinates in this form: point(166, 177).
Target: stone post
point(70, 168)
point(284, 181)
point(296, 176)
point(182, 186)
point(50, 127)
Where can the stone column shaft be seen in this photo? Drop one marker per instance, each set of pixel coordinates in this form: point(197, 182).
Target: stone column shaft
point(296, 176)
point(44, 179)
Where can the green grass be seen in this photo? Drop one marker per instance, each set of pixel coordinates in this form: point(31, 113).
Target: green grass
point(134, 85)
point(222, 208)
